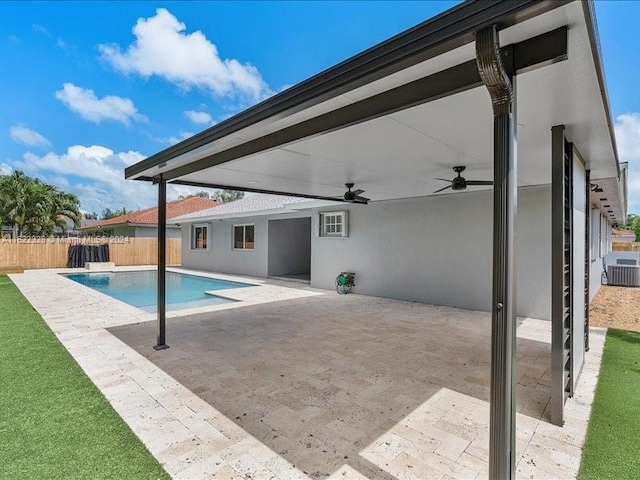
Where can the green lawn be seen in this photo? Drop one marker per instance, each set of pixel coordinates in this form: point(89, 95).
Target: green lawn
point(612, 448)
point(54, 423)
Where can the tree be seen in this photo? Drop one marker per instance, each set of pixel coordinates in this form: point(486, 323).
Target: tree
point(633, 224)
point(90, 216)
point(630, 220)
point(107, 213)
point(34, 207)
point(201, 194)
point(221, 196)
point(226, 196)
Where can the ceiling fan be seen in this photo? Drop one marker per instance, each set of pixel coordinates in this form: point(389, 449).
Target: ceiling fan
point(354, 196)
point(461, 183)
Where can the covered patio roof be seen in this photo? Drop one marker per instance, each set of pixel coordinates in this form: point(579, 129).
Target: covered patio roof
point(404, 112)
point(502, 88)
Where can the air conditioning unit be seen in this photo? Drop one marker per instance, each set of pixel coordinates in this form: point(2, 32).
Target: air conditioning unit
point(623, 275)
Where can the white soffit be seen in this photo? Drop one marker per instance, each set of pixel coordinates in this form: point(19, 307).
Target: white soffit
point(400, 155)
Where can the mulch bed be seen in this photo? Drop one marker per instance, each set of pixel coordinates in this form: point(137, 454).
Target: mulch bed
point(616, 307)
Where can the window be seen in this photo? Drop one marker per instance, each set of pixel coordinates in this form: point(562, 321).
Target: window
point(333, 224)
point(243, 237)
point(199, 237)
point(604, 235)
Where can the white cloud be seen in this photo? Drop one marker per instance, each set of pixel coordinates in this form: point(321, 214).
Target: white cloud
point(628, 139)
point(84, 102)
point(26, 136)
point(96, 175)
point(199, 118)
point(40, 29)
point(5, 169)
point(162, 47)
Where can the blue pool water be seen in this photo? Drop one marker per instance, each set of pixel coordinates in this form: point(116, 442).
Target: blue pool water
point(140, 288)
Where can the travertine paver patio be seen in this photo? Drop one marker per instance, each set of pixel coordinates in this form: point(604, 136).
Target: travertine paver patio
point(316, 385)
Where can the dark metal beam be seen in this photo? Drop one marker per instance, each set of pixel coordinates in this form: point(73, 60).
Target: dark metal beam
point(445, 32)
point(535, 52)
point(162, 264)
point(501, 86)
point(252, 190)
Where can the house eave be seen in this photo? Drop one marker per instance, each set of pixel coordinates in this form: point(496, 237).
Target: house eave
point(447, 31)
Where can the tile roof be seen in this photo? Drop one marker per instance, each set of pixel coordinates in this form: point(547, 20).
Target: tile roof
point(255, 203)
point(149, 216)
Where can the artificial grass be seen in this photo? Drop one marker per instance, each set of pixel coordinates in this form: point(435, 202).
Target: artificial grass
point(54, 422)
point(612, 446)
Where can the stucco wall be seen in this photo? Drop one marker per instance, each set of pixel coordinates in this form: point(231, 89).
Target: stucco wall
point(220, 256)
point(597, 250)
point(433, 249)
point(439, 250)
point(289, 246)
point(579, 224)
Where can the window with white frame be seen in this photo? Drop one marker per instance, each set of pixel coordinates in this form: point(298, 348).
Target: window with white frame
point(244, 237)
point(604, 233)
point(199, 236)
point(333, 224)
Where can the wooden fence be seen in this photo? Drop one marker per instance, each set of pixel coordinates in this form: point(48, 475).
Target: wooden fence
point(626, 246)
point(30, 253)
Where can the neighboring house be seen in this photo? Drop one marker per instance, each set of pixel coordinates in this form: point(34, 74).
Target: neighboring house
point(144, 223)
point(395, 120)
point(623, 236)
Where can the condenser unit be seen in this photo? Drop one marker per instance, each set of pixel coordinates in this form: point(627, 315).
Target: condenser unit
point(623, 275)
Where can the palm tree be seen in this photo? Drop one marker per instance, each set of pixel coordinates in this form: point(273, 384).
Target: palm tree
point(34, 207)
point(13, 200)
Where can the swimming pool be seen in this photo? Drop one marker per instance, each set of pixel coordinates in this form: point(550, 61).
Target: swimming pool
point(139, 288)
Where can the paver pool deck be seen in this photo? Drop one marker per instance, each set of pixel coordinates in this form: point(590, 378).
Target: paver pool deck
point(293, 382)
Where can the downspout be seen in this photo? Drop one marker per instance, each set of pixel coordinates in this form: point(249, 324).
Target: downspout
point(500, 85)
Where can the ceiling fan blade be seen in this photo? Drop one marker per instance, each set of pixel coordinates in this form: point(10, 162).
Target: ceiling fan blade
point(358, 192)
point(479, 182)
point(444, 180)
point(443, 189)
point(360, 199)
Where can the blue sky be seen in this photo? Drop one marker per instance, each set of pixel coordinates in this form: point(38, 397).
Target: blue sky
point(88, 88)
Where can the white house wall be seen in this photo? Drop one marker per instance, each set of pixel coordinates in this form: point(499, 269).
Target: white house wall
point(439, 250)
point(579, 224)
point(432, 249)
point(221, 257)
point(599, 249)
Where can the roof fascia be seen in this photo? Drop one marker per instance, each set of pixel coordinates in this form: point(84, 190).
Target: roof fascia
point(592, 29)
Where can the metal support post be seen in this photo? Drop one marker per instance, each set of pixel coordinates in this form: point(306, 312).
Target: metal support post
point(162, 264)
point(501, 88)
